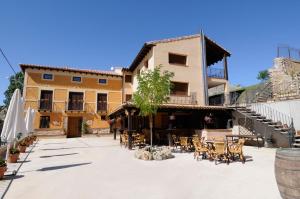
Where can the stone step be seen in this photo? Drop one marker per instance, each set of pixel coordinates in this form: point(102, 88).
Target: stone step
point(296, 145)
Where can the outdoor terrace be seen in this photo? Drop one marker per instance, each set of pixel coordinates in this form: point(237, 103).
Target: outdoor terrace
point(90, 168)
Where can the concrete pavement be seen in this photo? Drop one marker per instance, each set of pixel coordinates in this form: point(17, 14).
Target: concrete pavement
point(98, 167)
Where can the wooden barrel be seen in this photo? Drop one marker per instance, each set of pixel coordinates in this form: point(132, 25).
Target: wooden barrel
point(287, 172)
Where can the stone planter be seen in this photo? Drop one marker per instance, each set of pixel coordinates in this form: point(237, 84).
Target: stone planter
point(13, 158)
point(22, 148)
point(2, 171)
point(162, 153)
point(287, 164)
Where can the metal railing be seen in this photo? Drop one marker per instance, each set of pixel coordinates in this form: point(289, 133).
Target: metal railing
point(216, 72)
point(174, 99)
point(74, 105)
point(45, 104)
point(272, 114)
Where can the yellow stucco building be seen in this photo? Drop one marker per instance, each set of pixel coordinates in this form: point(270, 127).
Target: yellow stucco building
point(65, 97)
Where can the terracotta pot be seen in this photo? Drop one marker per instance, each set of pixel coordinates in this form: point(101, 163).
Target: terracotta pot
point(22, 148)
point(2, 171)
point(27, 143)
point(13, 158)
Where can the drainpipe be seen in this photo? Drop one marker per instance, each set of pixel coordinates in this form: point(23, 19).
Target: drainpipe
point(204, 69)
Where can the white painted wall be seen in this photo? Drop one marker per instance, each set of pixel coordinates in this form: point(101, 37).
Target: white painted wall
point(290, 108)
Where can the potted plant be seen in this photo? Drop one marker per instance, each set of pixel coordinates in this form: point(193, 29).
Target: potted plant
point(13, 155)
point(3, 167)
point(27, 141)
point(22, 146)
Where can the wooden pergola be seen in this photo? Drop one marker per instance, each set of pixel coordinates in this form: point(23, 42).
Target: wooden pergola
point(189, 117)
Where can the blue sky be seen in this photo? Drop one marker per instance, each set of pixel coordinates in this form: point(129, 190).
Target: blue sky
point(101, 34)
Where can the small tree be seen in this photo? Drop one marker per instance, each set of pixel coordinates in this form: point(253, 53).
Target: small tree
point(263, 75)
point(15, 81)
point(152, 91)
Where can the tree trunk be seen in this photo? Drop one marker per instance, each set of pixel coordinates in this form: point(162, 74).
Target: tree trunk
point(150, 126)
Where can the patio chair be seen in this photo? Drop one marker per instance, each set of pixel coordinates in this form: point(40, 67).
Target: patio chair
point(200, 149)
point(184, 143)
point(139, 140)
point(124, 140)
point(219, 152)
point(236, 149)
point(175, 141)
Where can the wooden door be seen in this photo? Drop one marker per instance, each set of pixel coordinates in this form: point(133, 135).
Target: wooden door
point(74, 127)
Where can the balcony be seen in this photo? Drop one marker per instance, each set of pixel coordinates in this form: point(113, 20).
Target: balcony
point(45, 105)
point(216, 73)
point(102, 107)
point(74, 105)
point(177, 99)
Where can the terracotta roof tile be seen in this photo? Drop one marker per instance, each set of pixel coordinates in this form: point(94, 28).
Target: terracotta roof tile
point(66, 68)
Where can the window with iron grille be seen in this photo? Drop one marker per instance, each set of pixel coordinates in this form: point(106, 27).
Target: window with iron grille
point(102, 102)
point(45, 122)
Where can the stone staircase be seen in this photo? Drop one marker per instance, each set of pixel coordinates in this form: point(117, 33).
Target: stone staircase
point(269, 123)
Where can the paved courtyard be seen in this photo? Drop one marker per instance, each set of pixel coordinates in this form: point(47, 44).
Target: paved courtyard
point(99, 168)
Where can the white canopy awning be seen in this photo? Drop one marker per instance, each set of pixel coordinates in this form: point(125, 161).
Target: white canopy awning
point(14, 122)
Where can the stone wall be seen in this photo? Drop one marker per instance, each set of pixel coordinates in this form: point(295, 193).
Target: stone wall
point(285, 78)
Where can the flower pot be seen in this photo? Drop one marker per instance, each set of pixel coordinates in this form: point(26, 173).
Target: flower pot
point(2, 171)
point(287, 164)
point(13, 158)
point(22, 148)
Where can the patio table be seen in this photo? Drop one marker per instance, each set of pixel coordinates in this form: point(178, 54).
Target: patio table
point(245, 136)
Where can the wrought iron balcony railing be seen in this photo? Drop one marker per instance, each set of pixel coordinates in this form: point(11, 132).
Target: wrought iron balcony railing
point(45, 105)
point(216, 73)
point(176, 99)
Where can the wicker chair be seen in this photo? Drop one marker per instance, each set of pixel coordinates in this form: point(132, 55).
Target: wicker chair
point(175, 141)
point(184, 143)
point(219, 152)
point(124, 140)
point(200, 149)
point(236, 149)
point(139, 140)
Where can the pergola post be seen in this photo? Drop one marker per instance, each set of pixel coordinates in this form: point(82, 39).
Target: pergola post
point(129, 113)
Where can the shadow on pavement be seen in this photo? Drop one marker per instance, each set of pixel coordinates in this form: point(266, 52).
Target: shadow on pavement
point(62, 166)
point(55, 143)
point(12, 177)
point(49, 156)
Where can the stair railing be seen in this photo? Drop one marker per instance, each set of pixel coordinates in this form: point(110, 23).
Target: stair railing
point(272, 114)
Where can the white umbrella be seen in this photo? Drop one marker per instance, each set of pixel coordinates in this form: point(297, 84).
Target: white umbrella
point(29, 118)
point(14, 122)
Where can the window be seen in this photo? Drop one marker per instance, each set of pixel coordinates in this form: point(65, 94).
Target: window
point(146, 64)
point(75, 101)
point(101, 102)
point(128, 78)
point(47, 76)
point(103, 117)
point(177, 59)
point(179, 88)
point(128, 97)
point(102, 81)
point(76, 79)
point(138, 72)
point(44, 122)
point(46, 100)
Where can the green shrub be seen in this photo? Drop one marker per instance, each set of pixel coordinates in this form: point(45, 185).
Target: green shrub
point(14, 151)
point(2, 162)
